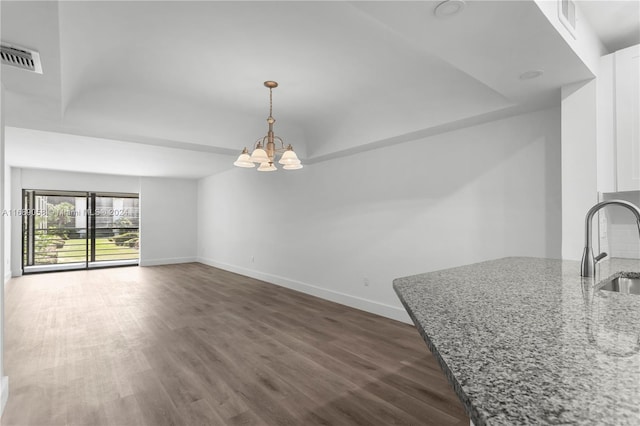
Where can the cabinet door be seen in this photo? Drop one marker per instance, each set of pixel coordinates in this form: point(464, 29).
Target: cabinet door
point(627, 92)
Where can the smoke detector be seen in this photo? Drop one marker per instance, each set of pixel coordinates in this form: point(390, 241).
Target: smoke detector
point(20, 57)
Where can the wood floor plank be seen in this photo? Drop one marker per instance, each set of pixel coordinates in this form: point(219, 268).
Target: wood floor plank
point(154, 401)
point(124, 411)
point(189, 344)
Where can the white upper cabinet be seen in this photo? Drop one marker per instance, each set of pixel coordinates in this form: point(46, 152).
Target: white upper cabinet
point(627, 75)
point(619, 121)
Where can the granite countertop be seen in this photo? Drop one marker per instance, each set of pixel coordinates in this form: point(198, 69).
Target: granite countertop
point(529, 341)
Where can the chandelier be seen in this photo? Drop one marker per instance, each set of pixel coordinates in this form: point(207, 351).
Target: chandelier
point(265, 149)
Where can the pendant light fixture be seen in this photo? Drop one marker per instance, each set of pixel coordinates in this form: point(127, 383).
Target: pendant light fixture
point(265, 149)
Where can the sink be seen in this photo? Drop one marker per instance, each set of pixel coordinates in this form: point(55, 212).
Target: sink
point(622, 284)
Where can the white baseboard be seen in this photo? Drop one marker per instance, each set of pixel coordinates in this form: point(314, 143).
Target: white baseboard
point(4, 393)
point(167, 261)
point(382, 309)
point(7, 276)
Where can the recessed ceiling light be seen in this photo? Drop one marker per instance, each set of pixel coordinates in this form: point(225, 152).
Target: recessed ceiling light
point(528, 75)
point(449, 8)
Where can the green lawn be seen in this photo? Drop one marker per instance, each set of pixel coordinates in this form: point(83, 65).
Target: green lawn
point(74, 251)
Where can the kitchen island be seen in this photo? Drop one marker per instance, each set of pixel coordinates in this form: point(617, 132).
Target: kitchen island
point(529, 341)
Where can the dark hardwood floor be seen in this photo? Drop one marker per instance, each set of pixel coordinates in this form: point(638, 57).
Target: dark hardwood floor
point(193, 345)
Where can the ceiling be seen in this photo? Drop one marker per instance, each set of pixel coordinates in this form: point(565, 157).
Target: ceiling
point(617, 22)
point(185, 78)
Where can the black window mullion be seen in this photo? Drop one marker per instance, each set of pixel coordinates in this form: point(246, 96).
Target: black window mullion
point(92, 226)
point(86, 228)
point(31, 219)
point(28, 229)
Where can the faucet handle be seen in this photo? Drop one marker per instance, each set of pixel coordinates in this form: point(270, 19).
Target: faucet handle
point(599, 257)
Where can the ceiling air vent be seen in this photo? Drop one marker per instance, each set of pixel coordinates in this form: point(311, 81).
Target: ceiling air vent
point(567, 15)
point(21, 58)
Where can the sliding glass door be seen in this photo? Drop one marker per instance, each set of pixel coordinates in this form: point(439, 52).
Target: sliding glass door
point(79, 230)
point(114, 228)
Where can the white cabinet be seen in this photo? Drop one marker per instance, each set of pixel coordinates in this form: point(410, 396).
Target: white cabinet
point(627, 95)
point(619, 121)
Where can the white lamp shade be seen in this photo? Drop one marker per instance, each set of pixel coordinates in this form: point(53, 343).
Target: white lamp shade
point(244, 161)
point(266, 167)
point(289, 157)
point(292, 166)
point(259, 156)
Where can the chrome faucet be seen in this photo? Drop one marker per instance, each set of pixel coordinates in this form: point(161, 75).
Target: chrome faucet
point(588, 266)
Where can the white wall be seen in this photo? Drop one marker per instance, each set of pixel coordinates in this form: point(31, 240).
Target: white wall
point(15, 198)
point(161, 241)
point(606, 118)
point(619, 236)
point(478, 193)
point(72, 181)
point(4, 381)
point(579, 169)
point(168, 221)
point(7, 223)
